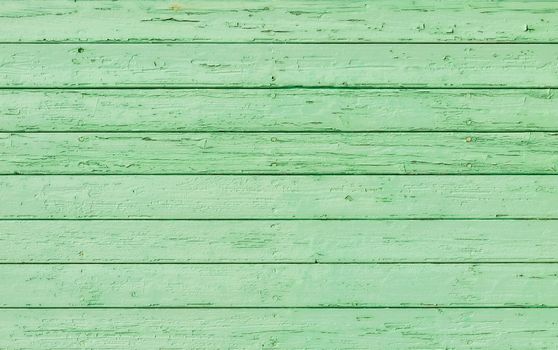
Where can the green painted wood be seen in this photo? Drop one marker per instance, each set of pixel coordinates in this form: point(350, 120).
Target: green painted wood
point(274, 88)
point(263, 241)
point(294, 329)
point(279, 153)
point(288, 197)
point(279, 21)
point(279, 285)
point(282, 65)
point(499, 329)
point(278, 110)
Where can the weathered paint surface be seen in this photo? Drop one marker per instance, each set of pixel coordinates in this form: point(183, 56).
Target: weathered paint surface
point(279, 21)
point(280, 153)
point(279, 285)
point(276, 241)
point(284, 65)
point(432, 328)
point(278, 174)
point(278, 197)
point(276, 110)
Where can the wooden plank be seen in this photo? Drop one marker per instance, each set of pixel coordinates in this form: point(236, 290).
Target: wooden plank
point(498, 329)
point(279, 153)
point(281, 65)
point(263, 241)
point(278, 110)
point(287, 197)
point(278, 21)
point(279, 285)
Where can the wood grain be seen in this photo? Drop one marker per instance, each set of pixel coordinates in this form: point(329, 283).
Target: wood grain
point(287, 197)
point(499, 329)
point(275, 110)
point(280, 65)
point(262, 241)
point(292, 285)
point(235, 174)
point(279, 153)
point(278, 21)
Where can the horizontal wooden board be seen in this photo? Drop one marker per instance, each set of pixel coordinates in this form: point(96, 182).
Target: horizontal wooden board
point(279, 153)
point(264, 241)
point(279, 285)
point(498, 329)
point(280, 65)
point(288, 197)
point(278, 21)
point(278, 110)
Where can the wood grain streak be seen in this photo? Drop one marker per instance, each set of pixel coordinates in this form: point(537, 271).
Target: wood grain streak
point(278, 110)
point(280, 65)
point(288, 197)
point(280, 153)
point(278, 21)
point(278, 241)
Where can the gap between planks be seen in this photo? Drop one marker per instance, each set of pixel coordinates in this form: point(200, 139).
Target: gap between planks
point(184, 42)
point(276, 175)
point(282, 87)
point(286, 263)
point(434, 307)
point(371, 131)
point(501, 218)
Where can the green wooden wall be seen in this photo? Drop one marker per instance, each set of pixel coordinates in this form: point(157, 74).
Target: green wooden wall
point(285, 174)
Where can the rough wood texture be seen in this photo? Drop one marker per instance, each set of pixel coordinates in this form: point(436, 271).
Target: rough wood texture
point(279, 285)
point(279, 241)
point(499, 329)
point(278, 21)
point(279, 153)
point(286, 65)
point(235, 174)
point(278, 110)
point(259, 197)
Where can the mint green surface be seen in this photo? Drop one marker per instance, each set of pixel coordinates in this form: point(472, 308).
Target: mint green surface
point(430, 328)
point(280, 153)
point(280, 285)
point(287, 110)
point(278, 197)
point(281, 174)
point(277, 241)
point(278, 65)
point(279, 21)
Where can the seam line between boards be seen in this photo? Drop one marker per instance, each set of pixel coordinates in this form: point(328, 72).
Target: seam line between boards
point(285, 87)
point(275, 174)
point(282, 219)
point(278, 42)
point(436, 307)
point(310, 263)
point(302, 132)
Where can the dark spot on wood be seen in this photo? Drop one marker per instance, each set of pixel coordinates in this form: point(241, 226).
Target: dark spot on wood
point(170, 19)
